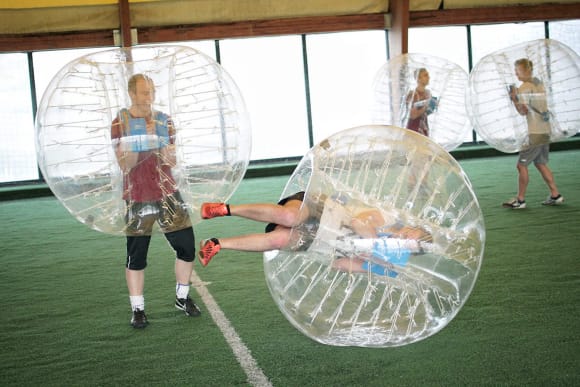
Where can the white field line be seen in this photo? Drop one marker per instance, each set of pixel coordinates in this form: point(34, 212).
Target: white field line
point(255, 375)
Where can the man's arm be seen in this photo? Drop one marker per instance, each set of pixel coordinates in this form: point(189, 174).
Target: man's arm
point(125, 158)
point(521, 107)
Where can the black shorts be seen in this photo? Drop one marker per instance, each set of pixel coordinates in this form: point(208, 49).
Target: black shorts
point(182, 242)
point(297, 196)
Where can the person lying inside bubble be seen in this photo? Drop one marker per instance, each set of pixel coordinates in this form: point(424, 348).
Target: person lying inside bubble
point(358, 236)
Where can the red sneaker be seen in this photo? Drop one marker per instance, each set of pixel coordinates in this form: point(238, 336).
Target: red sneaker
point(207, 250)
point(213, 210)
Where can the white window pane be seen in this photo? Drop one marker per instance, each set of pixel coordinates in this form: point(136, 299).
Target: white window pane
point(486, 39)
point(17, 149)
point(48, 63)
point(270, 74)
point(567, 32)
point(342, 67)
point(444, 42)
point(205, 46)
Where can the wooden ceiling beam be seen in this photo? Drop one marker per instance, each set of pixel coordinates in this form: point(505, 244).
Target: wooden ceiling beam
point(125, 21)
point(487, 15)
point(399, 33)
point(303, 25)
point(56, 41)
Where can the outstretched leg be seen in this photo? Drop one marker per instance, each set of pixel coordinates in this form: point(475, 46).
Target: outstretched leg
point(274, 240)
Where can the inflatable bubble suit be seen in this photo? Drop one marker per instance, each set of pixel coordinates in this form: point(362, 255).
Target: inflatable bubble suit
point(198, 117)
point(556, 72)
point(394, 96)
point(384, 288)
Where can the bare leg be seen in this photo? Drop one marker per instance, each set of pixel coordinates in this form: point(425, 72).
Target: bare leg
point(349, 265)
point(548, 177)
point(183, 271)
point(135, 281)
point(274, 240)
point(523, 180)
point(287, 215)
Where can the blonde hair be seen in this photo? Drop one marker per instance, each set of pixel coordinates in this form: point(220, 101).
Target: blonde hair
point(419, 71)
point(132, 83)
point(525, 63)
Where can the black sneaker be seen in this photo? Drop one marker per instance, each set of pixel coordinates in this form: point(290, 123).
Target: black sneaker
point(139, 320)
point(188, 306)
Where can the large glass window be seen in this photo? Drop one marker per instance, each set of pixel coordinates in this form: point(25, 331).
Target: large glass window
point(342, 67)
point(270, 73)
point(17, 149)
point(444, 42)
point(567, 32)
point(48, 63)
point(205, 46)
point(486, 39)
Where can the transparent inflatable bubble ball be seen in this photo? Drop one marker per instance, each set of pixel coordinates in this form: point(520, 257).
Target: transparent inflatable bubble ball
point(424, 93)
point(391, 242)
point(512, 111)
point(176, 138)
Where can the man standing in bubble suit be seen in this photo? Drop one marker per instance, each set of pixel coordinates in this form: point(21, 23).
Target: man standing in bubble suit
point(144, 146)
point(530, 100)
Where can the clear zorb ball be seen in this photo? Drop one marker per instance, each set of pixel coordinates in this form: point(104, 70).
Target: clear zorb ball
point(553, 108)
point(394, 96)
point(198, 109)
point(392, 244)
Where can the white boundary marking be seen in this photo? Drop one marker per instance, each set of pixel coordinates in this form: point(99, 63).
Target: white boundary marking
point(255, 375)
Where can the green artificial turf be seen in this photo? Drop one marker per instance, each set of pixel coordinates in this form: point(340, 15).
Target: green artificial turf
point(64, 309)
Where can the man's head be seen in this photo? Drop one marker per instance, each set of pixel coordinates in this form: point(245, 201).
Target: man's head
point(142, 93)
point(414, 233)
point(523, 68)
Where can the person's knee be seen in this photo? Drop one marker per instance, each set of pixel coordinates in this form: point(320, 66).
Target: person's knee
point(135, 263)
point(289, 216)
point(183, 243)
point(279, 238)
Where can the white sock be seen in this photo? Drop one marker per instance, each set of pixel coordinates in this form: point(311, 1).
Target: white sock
point(137, 302)
point(181, 290)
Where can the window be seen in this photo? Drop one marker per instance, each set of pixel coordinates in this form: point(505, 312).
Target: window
point(48, 63)
point(342, 67)
point(17, 149)
point(567, 32)
point(444, 42)
point(205, 46)
point(487, 39)
point(270, 74)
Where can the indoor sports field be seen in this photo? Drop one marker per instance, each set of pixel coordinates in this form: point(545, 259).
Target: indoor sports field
point(64, 309)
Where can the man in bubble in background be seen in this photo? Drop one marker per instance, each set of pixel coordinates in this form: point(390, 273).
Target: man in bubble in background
point(144, 146)
point(530, 100)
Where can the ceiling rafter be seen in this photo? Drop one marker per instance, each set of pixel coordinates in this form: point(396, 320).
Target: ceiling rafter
point(297, 25)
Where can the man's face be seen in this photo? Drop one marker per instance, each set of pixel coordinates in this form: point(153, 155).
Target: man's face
point(523, 73)
point(144, 94)
point(409, 233)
